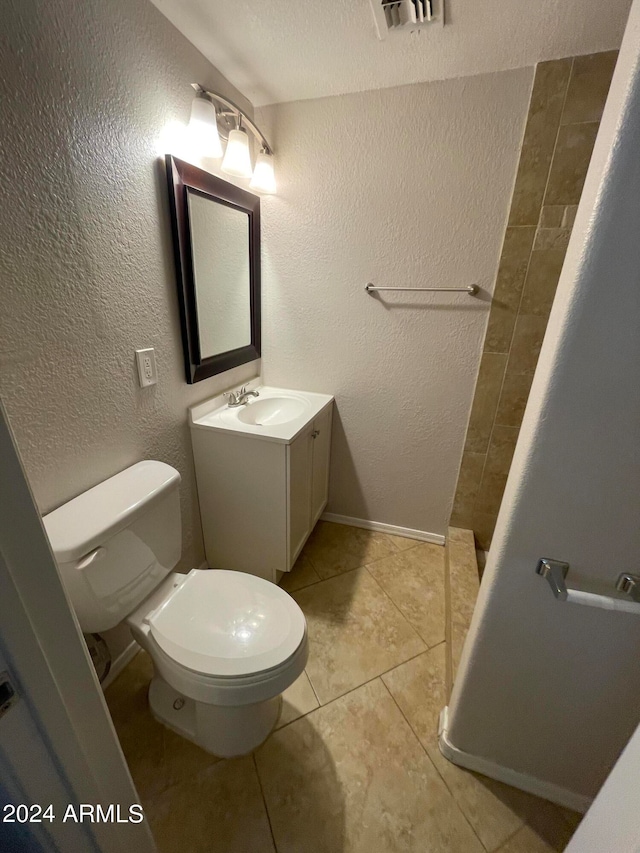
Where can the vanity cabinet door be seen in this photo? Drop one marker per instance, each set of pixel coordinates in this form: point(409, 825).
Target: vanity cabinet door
point(320, 469)
point(300, 462)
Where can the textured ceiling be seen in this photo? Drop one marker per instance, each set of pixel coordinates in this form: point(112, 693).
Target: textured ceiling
point(283, 50)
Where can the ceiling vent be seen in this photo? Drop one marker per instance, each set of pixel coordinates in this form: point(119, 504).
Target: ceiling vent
point(406, 15)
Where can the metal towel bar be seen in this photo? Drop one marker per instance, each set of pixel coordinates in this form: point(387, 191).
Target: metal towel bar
point(471, 289)
point(628, 587)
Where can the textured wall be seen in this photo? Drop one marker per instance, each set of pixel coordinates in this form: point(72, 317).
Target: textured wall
point(406, 186)
point(546, 688)
point(86, 267)
point(564, 114)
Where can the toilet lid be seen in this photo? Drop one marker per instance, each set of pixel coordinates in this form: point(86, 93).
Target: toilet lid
point(228, 623)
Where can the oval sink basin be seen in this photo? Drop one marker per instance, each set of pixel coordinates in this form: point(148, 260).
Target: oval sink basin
point(271, 410)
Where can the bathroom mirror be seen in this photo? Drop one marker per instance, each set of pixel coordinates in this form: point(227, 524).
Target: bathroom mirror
point(216, 235)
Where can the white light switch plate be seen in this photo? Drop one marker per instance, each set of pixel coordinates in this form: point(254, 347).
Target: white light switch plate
point(146, 361)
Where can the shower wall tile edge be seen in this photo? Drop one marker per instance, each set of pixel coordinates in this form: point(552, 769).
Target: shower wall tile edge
point(566, 105)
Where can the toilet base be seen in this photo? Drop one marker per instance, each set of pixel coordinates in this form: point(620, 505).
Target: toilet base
point(223, 730)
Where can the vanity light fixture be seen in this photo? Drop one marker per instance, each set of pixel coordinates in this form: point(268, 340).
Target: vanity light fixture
point(237, 160)
point(203, 128)
point(264, 179)
point(231, 123)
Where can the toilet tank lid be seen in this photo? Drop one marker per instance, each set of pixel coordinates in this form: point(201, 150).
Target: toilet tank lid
point(79, 526)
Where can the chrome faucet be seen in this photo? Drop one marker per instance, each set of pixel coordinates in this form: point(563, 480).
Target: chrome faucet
point(240, 397)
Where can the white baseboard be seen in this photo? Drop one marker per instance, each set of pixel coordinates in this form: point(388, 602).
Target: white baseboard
point(530, 784)
point(120, 662)
point(407, 532)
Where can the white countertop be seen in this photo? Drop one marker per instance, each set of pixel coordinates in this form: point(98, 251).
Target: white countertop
point(217, 415)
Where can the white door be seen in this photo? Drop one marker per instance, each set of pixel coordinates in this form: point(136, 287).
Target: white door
point(57, 743)
point(32, 803)
point(612, 823)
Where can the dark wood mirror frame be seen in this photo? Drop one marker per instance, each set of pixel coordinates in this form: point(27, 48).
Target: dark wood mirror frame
point(182, 176)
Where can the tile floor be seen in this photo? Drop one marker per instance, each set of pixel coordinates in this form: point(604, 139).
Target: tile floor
point(354, 764)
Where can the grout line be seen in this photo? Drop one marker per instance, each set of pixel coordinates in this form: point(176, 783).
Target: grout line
point(555, 146)
point(400, 612)
point(362, 565)
point(416, 542)
point(380, 678)
point(331, 578)
point(433, 765)
point(399, 609)
point(576, 123)
point(264, 800)
point(306, 586)
point(537, 226)
point(314, 693)
point(510, 837)
point(356, 687)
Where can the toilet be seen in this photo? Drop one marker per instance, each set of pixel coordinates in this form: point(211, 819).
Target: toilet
point(224, 644)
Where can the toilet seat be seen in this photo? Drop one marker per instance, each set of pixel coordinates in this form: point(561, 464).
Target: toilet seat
point(220, 623)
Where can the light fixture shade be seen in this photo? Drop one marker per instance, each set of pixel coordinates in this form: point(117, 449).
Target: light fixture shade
point(264, 178)
point(237, 160)
point(203, 129)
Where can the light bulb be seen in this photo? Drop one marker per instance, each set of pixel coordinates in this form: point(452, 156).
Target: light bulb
point(203, 129)
point(264, 179)
point(237, 161)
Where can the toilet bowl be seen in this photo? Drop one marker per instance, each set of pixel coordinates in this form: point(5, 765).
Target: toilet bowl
point(224, 645)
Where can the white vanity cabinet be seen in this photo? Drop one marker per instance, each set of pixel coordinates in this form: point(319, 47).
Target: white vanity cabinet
point(307, 481)
point(261, 486)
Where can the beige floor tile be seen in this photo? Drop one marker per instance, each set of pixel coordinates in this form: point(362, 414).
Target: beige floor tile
point(156, 756)
point(297, 700)
point(336, 548)
point(464, 587)
point(458, 637)
point(418, 686)
point(301, 575)
point(220, 810)
point(183, 759)
point(130, 687)
point(494, 810)
point(355, 633)
point(403, 543)
point(525, 840)
point(546, 831)
point(143, 749)
point(141, 737)
point(463, 572)
point(571, 818)
point(414, 580)
point(352, 777)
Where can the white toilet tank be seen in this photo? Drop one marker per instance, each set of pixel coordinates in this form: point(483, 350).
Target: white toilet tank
point(116, 542)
